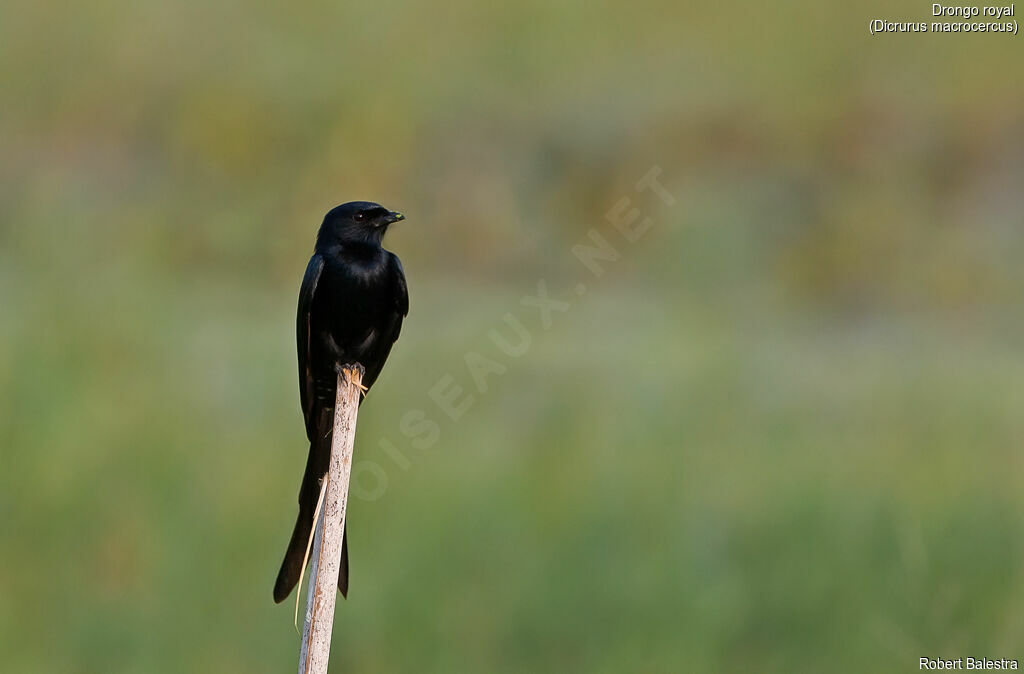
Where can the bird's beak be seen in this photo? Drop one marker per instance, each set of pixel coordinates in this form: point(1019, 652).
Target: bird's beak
point(394, 216)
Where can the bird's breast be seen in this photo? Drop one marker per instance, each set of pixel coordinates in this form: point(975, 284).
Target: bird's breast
point(351, 304)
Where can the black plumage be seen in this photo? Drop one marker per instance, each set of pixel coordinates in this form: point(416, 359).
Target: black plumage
point(351, 306)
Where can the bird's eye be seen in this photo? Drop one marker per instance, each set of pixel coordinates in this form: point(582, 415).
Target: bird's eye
point(359, 217)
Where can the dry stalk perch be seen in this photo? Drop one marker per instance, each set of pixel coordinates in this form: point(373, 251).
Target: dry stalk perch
point(326, 559)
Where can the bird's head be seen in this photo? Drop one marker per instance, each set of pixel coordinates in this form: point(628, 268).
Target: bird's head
point(356, 221)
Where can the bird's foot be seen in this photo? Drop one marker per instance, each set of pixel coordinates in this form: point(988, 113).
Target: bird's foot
point(353, 374)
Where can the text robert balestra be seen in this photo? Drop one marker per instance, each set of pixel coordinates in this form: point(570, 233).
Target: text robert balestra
point(967, 663)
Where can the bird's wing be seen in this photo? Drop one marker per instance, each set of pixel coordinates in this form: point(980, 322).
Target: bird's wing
point(389, 332)
point(402, 297)
point(306, 394)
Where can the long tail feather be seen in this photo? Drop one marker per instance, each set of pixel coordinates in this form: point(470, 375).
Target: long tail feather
point(309, 546)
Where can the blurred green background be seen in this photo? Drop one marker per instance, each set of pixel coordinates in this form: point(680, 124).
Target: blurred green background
point(782, 433)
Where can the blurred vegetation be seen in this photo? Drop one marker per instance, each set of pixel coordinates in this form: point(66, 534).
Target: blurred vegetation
point(781, 434)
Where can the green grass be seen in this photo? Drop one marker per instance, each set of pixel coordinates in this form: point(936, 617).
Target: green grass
point(781, 434)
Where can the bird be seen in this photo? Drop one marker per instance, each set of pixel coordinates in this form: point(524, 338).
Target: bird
point(351, 306)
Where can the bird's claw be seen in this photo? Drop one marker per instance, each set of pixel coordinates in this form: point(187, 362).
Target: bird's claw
point(348, 370)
